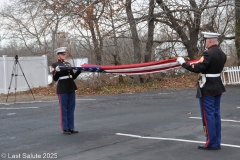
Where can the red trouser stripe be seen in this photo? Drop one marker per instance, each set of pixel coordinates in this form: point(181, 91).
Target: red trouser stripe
point(206, 124)
point(60, 104)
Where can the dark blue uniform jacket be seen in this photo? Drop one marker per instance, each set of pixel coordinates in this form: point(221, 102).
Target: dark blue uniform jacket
point(65, 85)
point(214, 61)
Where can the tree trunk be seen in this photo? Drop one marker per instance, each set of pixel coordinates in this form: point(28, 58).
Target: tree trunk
point(133, 28)
point(116, 56)
point(149, 45)
point(100, 42)
point(135, 38)
point(237, 30)
point(95, 43)
point(192, 44)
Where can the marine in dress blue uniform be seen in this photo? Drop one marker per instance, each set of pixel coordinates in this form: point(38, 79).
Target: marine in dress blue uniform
point(65, 90)
point(210, 89)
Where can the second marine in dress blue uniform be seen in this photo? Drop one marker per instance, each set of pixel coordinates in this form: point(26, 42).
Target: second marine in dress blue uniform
point(66, 90)
point(210, 89)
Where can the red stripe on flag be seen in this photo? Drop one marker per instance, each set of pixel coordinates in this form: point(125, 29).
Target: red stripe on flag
point(138, 64)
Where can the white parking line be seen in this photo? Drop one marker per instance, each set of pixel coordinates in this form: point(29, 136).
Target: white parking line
point(21, 108)
point(7, 103)
point(163, 93)
point(45, 101)
point(223, 120)
point(76, 100)
point(86, 99)
point(21, 102)
point(172, 139)
point(9, 114)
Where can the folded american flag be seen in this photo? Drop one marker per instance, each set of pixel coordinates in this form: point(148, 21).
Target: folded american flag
point(134, 69)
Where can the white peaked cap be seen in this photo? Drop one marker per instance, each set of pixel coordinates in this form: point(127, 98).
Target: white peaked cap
point(60, 50)
point(210, 35)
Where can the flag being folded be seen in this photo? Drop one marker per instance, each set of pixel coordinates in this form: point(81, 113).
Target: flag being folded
point(134, 69)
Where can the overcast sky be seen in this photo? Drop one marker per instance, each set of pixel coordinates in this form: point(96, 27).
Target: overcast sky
point(3, 1)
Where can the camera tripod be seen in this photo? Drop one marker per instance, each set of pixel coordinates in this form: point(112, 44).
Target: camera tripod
point(15, 73)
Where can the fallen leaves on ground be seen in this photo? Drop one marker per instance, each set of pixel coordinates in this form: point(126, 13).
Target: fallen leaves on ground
point(103, 88)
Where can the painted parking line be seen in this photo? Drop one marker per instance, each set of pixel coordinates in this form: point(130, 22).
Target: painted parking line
point(76, 100)
point(6, 104)
point(20, 108)
point(171, 139)
point(223, 120)
point(164, 93)
point(27, 102)
point(86, 99)
point(9, 114)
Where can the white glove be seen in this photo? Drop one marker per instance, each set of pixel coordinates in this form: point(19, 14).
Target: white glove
point(57, 69)
point(180, 60)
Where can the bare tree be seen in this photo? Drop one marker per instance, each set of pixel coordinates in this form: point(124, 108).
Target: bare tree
point(185, 18)
point(26, 25)
point(91, 27)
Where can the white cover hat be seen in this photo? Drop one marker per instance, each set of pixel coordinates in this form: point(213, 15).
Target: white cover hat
point(210, 35)
point(61, 50)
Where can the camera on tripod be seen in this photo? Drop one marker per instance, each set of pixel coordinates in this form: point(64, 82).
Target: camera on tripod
point(16, 59)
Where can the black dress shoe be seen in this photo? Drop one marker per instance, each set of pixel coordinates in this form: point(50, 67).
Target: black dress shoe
point(67, 132)
point(73, 131)
point(208, 148)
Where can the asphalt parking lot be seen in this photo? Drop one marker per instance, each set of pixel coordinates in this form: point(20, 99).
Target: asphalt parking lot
point(154, 125)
